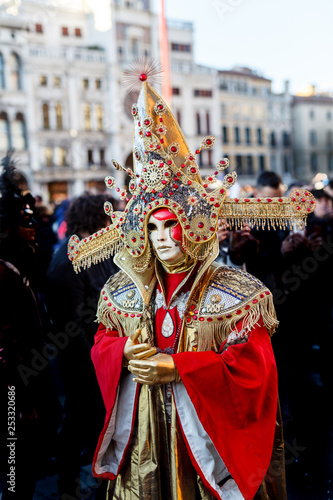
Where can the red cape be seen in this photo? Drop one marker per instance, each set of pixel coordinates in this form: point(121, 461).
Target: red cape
point(234, 395)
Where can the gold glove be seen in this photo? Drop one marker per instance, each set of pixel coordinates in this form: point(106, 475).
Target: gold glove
point(159, 369)
point(134, 350)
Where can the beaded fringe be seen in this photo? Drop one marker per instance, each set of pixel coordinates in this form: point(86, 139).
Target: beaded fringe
point(268, 214)
point(110, 319)
point(212, 335)
point(97, 247)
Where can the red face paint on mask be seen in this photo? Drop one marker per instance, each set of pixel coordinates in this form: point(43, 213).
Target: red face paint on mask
point(166, 214)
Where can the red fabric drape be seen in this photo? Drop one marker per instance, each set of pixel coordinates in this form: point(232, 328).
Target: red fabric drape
point(235, 397)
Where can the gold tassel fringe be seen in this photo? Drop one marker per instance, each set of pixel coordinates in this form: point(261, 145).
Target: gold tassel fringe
point(212, 334)
point(93, 249)
point(267, 213)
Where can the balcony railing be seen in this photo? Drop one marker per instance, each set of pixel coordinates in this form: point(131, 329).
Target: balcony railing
point(68, 54)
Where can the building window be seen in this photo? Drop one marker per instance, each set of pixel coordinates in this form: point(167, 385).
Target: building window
point(57, 82)
point(87, 117)
point(2, 72)
point(78, 32)
point(329, 138)
point(205, 158)
point(64, 31)
point(198, 121)
point(225, 135)
point(61, 157)
point(286, 139)
point(239, 164)
point(46, 118)
point(329, 116)
point(313, 137)
point(85, 83)
point(99, 116)
point(59, 116)
point(98, 83)
point(175, 91)
point(15, 72)
point(259, 136)
point(261, 163)
point(273, 139)
point(43, 80)
point(18, 133)
point(203, 93)
point(90, 157)
point(249, 161)
point(314, 162)
point(286, 163)
point(135, 47)
point(102, 157)
point(39, 28)
point(4, 132)
point(181, 47)
point(207, 122)
point(330, 163)
point(48, 151)
point(237, 135)
point(248, 135)
point(311, 114)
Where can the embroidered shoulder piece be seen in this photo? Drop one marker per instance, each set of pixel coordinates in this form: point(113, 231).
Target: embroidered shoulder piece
point(229, 296)
point(120, 303)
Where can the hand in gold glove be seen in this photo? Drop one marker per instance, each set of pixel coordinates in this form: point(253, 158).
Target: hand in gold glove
point(159, 369)
point(134, 350)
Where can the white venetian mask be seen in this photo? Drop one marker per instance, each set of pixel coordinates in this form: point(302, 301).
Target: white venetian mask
point(166, 248)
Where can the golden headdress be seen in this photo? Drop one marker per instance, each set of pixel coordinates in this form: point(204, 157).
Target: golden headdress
point(166, 174)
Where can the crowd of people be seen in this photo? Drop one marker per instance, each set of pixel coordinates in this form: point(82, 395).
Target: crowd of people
point(47, 329)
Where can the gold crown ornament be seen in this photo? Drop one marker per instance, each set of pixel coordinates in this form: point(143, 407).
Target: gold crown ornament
point(166, 174)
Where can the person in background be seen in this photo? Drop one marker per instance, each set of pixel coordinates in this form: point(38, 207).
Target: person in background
point(72, 301)
point(260, 249)
point(329, 188)
point(25, 372)
point(304, 344)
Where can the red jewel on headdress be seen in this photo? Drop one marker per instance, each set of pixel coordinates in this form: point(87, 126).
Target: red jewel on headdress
point(143, 77)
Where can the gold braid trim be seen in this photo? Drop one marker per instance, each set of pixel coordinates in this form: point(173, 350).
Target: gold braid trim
point(269, 213)
point(212, 334)
point(96, 247)
point(125, 326)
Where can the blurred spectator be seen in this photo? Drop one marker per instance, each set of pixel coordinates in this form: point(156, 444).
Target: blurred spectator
point(46, 239)
point(260, 249)
point(324, 205)
point(329, 188)
point(231, 244)
point(296, 266)
point(24, 361)
point(304, 339)
point(72, 303)
point(59, 224)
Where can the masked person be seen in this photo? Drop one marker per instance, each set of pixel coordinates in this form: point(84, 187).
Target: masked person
point(25, 374)
point(183, 353)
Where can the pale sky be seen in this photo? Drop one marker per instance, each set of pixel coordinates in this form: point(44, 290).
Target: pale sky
point(281, 39)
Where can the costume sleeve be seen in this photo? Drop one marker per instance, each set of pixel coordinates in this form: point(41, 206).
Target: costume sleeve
point(234, 396)
point(107, 356)
point(119, 394)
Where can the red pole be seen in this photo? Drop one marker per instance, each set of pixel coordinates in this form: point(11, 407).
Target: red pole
point(164, 54)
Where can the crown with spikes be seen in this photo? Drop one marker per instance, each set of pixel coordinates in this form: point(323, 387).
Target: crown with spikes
point(166, 174)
